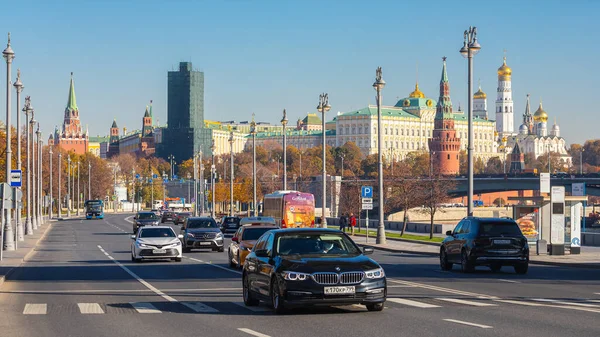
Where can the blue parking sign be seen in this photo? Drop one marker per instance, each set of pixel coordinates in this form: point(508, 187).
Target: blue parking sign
point(366, 192)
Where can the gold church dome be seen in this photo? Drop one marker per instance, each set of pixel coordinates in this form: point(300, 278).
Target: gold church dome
point(540, 115)
point(417, 93)
point(479, 94)
point(504, 70)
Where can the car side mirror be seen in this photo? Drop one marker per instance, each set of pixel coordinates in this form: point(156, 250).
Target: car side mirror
point(368, 250)
point(180, 236)
point(235, 239)
point(261, 253)
point(449, 233)
point(133, 237)
point(135, 218)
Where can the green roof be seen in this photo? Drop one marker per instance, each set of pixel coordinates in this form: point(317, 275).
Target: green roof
point(114, 124)
point(72, 102)
point(414, 102)
point(146, 114)
point(292, 133)
point(385, 112)
point(312, 119)
point(461, 116)
point(99, 139)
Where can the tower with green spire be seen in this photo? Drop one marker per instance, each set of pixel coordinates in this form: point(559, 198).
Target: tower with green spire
point(72, 137)
point(147, 123)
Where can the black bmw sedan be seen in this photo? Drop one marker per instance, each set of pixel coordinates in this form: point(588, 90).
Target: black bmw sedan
point(311, 266)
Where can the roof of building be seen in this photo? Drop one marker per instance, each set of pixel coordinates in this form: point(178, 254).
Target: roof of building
point(146, 113)
point(504, 71)
point(386, 111)
point(293, 133)
point(72, 102)
point(114, 124)
point(99, 139)
point(312, 119)
point(417, 93)
point(461, 116)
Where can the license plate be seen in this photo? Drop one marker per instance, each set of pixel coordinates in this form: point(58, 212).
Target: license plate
point(159, 251)
point(339, 290)
point(502, 242)
point(205, 243)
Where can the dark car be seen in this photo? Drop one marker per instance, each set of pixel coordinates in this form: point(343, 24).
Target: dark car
point(144, 219)
point(492, 242)
point(168, 216)
point(311, 267)
point(230, 224)
point(201, 233)
point(181, 216)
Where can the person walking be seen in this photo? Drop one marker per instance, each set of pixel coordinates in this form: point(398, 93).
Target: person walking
point(343, 222)
point(352, 222)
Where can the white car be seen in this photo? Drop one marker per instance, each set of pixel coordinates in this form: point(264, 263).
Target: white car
point(156, 242)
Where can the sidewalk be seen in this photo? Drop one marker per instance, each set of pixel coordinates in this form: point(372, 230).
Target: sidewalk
point(13, 259)
point(589, 257)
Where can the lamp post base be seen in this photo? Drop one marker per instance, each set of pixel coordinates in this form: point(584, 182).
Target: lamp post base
point(381, 239)
point(28, 226)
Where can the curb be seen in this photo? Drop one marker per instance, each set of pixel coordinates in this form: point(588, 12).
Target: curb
point(436, 244)
point(24, 259)
point(561, 264)
point(392, 250)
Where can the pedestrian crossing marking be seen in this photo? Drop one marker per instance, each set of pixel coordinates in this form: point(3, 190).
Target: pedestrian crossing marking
point(412, 303)
point(145, 308)
point(90, 308)
point(199, 307)
point(35, 309)
point(460, 301)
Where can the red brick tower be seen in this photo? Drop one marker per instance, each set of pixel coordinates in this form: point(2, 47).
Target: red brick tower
point(444, 146)
point(72, 138)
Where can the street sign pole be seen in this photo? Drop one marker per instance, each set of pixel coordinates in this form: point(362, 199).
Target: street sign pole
point(367, 225)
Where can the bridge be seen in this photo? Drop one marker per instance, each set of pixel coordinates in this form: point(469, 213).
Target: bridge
point(501, 184)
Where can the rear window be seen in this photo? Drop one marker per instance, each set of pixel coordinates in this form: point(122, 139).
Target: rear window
point(232, 220)
point(499, 228)
point(254, 233)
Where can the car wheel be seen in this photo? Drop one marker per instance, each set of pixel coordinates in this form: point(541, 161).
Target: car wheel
point(186, 249)
point(221, 249)
point(177, 259)
point(249, 300)
point(231, 264)
point(522, 268)
point(495, 267)
point(444, 264)
point(276, 301)
point(375, 307)
point(239, 262)
point(132, 258)
point(465, 264)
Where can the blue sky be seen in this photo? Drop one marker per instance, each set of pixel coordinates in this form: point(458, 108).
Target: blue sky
point(263, 56)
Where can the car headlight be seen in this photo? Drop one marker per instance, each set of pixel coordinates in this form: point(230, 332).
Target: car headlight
point(295, 276)
point(190, 235)
point(138, 223)
point(141, 244)
point(155, 222)
point(375, 273)
point(244, 248)
point(219, 236)
point(175, 243)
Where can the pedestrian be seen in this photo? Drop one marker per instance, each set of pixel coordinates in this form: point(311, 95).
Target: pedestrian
point(352, 222)
point(343, 222)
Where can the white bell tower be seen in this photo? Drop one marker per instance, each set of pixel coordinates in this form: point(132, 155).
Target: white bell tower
point(505, 121)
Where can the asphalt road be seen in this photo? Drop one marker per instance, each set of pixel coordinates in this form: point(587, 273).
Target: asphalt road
point(81, 282)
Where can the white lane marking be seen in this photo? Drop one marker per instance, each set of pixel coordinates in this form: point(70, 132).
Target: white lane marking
point(128, 219)
point(412, 303)
point(566, 303)
point(110, 291)
point(459, 301)
point(253, 333)
point(509, 281)
point(145, 308)
point(399, 286)
point(139, 279)
point(199, 307)
point(35, 309)
point(255, 309)
point(468, 323)
point(90, 308)
point(532, 304)
point(440, 289)
point(215, 265)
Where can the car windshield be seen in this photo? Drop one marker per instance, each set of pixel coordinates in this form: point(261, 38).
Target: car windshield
point(251, 234)
point(157, 233)
point(146, 216)
point(316, 244)
point(203, 223)
point(499, 228)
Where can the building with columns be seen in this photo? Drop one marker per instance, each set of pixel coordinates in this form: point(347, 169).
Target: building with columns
point(71, 137)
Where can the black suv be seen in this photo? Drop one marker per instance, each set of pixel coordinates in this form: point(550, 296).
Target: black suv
point(492, 242)
point(230, 224)
point(168, 216)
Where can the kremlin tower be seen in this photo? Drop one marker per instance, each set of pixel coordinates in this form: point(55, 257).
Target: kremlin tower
point(113, 145)
point(504, 103)
point(480, 104)
point(72, 138)
point(444, 146)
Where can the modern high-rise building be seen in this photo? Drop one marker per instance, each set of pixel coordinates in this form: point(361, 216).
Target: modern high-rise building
point(185, 133)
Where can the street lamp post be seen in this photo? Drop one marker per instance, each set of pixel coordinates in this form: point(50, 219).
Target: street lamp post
point(68, 186)
point(188, 176)
point(378, 85)
point(202, 187)
point(50, 152)
point(27, 109)
point(231, 175)
point(195, 158)
point(59, 205)
point(171, 158)
point(133, 189)
point(89, 192)
point(78, 193)
point(116, 202)
point(253, 133)
point(323, 107)
point(581, 161)
point(40, 214)
point(284, 122)
point(469, 49)
point(34, 220)
point(9, 55)
point(213, 170)
point(164, 176)
point(19, 224)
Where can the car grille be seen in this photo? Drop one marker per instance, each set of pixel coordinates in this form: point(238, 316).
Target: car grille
point(326, 278)
point(352, 277)
point(169, 252)
point(205, 235)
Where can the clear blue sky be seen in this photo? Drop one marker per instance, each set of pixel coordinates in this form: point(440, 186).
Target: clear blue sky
point(264, 56)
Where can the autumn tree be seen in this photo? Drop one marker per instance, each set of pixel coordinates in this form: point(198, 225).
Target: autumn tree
point(435, 191)
point(406, 191)
point(418, 161)
point(494, 166)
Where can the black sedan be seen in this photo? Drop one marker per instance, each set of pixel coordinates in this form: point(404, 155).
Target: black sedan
point(311, 266)
point(144, 219)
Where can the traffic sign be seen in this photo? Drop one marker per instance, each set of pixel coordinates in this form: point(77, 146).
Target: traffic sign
point(155, 176)
point(367, 200)
point(137, 176)
point(366, 192)
point(149, 180)
point(367, 206)
point(15, 178)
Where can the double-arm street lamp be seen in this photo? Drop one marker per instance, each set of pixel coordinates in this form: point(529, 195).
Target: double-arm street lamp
point(34, 219)
point(378, 86)
point(68, 186)
point(50, 153)
point(9, 55)
point(213, 170)
point(231, 175)
point(59, 204)
point(253, 133)
point(40, 214)
point(284, 122)
point(323, 107)
point(19, 224)
point(28, 109)
point(469, 49)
